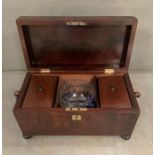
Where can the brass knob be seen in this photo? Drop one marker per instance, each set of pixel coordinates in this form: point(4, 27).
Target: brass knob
point(113, 89)
point(40, 89)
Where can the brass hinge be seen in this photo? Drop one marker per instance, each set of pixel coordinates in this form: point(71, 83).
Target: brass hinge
point(44, 70)
point(109, 71)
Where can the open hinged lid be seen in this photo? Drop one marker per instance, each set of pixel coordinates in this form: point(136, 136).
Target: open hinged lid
point(77, 43)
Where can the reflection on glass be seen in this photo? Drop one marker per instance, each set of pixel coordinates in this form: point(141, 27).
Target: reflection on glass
point(77, 94)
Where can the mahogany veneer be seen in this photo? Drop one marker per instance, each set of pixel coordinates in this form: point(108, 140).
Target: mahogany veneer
point(113, 92)
point(93, 49)
point(41, 92)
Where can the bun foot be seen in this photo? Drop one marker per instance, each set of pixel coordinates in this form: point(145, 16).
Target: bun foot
point(27, 136)
point(127, 137)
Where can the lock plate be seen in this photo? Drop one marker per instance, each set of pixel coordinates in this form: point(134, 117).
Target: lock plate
point(76, 109)
point(76, 23)
point(76, 117)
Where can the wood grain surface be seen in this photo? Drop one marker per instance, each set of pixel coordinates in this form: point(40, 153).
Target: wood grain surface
point(40, 92)
point(113, 92)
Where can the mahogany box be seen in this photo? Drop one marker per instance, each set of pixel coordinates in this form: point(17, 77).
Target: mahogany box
point(94, 49)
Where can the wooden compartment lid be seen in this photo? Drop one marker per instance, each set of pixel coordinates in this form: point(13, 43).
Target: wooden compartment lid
point(77, 43)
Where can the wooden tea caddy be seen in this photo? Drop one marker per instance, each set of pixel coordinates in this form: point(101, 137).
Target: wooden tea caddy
point(80, 48)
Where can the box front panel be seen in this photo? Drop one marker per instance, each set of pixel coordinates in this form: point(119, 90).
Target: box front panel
point(93, 122)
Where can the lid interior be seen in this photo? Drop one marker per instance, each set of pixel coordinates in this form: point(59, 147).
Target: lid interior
point(67, 46)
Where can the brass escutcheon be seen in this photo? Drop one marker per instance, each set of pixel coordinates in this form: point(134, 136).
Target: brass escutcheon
point(76, 117)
